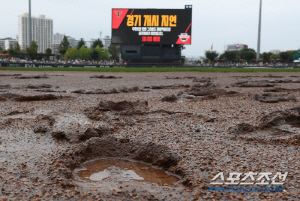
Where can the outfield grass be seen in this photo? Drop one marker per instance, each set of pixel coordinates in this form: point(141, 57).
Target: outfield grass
point(158, 69)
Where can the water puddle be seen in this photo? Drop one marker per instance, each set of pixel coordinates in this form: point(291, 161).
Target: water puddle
point(113, 169)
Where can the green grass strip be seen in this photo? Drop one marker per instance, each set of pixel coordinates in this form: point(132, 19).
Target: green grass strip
point(159, 69)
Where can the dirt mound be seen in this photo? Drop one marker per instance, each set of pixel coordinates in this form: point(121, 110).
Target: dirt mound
point(253, 84)
point(207, 89)
point(33, 77)
point(177, 78)
point(13, 75)
point(42, 86)
point(50, 91)
point(128, 90)
point(279, 89)
point(95, 132)
point(105, 77)
point(169, 86)
point(123, 106)
point(273, 76)
point(44, 124)
point(111, 91)
point(20, 98)
point(6, 86)
point(8, 96)
point(17, 112)
point(272, 98)
point(276, 127)
point(172, 98)
point(284, 81)
point(203, 79)
point(38, 98)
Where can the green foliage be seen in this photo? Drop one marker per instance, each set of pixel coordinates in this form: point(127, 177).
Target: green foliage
point(291, 54)
point(266, 56)
point(80, 44)
point(275, 56)
point(248, 54)
point(1, 50)
point(72, 53)
point(222, 56)
point(284, 56)
point(100, 51)
point(114, 51)
point(105, 55)
point(48, 51)
point(230, 55)
point(211, 55)
point(96, 43)
point(95, 55)
point(85, 53)
point(17, 48)
point(11, 51)
point(33, 48)
point(64, 46)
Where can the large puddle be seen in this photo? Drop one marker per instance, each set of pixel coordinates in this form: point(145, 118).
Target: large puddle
point(114, 169)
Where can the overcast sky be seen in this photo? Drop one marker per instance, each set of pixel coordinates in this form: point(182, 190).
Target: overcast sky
point(217, 22)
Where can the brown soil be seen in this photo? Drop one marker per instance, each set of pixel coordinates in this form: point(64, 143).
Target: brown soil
point(207, 128)
point(273, 98)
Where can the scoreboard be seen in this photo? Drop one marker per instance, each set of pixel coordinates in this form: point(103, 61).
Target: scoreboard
point(152, 26)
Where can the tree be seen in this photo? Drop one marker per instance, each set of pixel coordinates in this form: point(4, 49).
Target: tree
point(114, 51)
point(85, 53)
point(99, 50)
point(266, 56)
point(96, 43)
point(11, 51)
point(64, 46)
point(17, 48)
point(291, 55)
point(80, 44)
point(211, 55)
point(222, 56)
point(105, 55)
point(72, 53)
point(1, 50)
point(248, 54)
point(48, 51)
point(32, 49)
point(230, 55)
point(95, 55)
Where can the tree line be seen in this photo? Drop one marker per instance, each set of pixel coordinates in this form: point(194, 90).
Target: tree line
point(249, 55)
point(96, 52)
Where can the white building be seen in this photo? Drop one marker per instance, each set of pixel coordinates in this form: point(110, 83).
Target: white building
point(42, 32)
point(107, 42)
point(7, 43)
point(55, 48)
point(10, 43)
point(89, 44)
point(73, 42)
point(275, 51)
point(2, 44)
point(57, 38)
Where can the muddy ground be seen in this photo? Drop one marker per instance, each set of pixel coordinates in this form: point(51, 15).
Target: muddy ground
point(191, 124)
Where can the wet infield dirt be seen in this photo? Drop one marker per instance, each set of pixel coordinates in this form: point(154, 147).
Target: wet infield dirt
point(189, 126)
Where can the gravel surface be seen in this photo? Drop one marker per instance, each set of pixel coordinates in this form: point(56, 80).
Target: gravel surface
point(191, 124)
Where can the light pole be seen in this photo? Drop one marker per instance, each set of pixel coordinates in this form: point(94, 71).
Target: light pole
point(259, 32)
point(30, 24)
